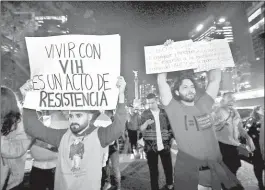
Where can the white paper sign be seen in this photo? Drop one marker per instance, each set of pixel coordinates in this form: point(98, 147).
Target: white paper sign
point(184, 55)
point(73, 72)
point(173, 57)
point(212, 55)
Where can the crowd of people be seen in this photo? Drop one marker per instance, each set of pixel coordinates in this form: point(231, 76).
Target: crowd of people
point(74, 150)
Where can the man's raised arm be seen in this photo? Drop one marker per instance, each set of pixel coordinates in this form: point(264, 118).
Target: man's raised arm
point(36, 129)
point(214, 77)
point(116, 129)
point(164, 88)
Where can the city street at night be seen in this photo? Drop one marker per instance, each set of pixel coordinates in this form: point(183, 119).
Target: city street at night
point(136, 175)
point(132, 95)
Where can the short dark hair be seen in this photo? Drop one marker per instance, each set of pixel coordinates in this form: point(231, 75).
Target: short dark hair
point(228, 93)
point(178, 82)
point(150, 96)
point(10, 112)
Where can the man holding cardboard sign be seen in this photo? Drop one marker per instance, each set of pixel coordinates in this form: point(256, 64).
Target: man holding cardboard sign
point(192, 126)
point(65, 77)
point(81, 145)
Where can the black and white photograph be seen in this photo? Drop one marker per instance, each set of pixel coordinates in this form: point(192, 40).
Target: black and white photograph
point(132, 95)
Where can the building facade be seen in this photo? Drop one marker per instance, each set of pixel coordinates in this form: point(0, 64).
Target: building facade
point(242, 25)
point(213, 28)
point(145, 89)
point(255, 13)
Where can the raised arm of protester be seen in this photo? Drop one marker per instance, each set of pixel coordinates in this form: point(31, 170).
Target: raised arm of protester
point(214, 77)
point(38, 130)
point(116, 129)
point(163, 86)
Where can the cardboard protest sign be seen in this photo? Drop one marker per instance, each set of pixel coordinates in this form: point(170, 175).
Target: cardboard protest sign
point(213, 54)
point(73, 72)
point(169, 58)
point(184, 55)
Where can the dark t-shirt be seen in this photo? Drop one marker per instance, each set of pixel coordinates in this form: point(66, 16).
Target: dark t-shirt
point(134, 122)
point(193, 127)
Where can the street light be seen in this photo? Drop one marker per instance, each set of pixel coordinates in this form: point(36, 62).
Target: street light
point(199, 27)
point(221, 20)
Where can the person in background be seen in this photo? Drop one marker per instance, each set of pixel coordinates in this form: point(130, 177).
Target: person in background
point(81, 146)
point(254, 124)
point(157, 136)
point(193, 130)
point(132, 128)
point(14, 141)
point(105, 179)
point(114, 157)
point(229, 128)
point(45, 155)
point(261, 139)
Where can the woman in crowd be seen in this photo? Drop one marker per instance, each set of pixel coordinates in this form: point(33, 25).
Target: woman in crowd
point(132, 128)
point(254, 124)
point(14, 141)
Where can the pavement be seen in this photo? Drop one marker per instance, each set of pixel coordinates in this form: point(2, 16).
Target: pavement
point(136, 174)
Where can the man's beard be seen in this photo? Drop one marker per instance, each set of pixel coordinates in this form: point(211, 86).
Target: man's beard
point(76, 128)
point(187, 98)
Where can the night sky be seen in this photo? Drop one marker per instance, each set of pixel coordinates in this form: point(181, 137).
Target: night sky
point(145, 23)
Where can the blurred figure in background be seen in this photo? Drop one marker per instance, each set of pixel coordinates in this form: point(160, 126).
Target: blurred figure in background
point(157, 136)
point(253, 124)
point(229, 128)
point(261, 139)
point(14, 141)
point(132, 127)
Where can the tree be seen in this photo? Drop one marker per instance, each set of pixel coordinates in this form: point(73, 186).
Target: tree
point(18, 22)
